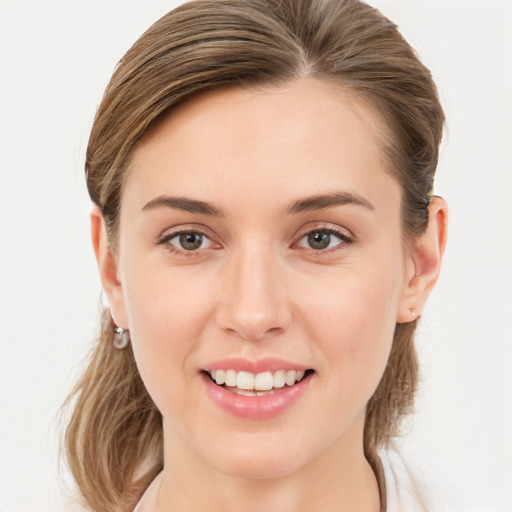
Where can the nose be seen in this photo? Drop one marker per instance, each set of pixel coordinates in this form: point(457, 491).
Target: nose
point(253, 304)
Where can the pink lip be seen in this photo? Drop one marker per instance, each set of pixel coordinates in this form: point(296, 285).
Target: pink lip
point(266, 364)
point(255, 407)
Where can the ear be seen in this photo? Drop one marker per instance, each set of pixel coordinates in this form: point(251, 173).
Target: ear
point(424, 262)
point(107, 266)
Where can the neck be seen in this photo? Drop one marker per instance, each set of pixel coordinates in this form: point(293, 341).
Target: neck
point(338, 480)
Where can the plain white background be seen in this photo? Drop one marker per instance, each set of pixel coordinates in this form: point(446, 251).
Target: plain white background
point(56, 58)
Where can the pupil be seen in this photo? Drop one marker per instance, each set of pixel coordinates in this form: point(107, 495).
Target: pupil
point(191, 241)
point(319, 240)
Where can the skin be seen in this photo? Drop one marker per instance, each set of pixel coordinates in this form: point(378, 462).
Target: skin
point(256, 288)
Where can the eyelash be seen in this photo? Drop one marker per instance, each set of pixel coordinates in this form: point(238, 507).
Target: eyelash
point(342, 235)
point(166, 239)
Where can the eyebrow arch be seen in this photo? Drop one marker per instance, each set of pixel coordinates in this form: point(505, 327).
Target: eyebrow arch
point(322, 201)
point(183, 203)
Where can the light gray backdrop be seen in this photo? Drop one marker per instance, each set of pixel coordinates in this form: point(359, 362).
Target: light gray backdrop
point(56, 58)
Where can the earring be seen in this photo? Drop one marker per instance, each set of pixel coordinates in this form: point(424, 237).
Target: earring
point(413, 312)
point(121, 338)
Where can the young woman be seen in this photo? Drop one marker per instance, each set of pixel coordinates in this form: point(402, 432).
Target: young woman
point(266, 236)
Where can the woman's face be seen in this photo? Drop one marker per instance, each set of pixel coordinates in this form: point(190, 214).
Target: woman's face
point(260, 237)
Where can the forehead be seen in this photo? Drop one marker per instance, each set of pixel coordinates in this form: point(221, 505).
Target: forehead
point(298, 139)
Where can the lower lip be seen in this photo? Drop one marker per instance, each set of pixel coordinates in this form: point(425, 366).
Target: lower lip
point(256, 407)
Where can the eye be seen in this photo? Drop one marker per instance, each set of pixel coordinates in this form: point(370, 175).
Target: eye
point(187, 241)
point(324, 239)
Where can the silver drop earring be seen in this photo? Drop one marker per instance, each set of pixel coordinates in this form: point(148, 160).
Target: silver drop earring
point(121, 338)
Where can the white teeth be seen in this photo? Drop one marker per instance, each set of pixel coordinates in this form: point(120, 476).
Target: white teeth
point(264, 381)
point(279, 379)
point(245, 380)
point(290, 377)
point(219, 377)
point(230, 378)
point(244, 392)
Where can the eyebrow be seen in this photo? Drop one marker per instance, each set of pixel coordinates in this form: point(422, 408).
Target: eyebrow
point(330, 200)
point(184, 204)
point(306, 204)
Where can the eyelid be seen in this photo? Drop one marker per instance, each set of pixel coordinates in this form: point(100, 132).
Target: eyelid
point(186, 228)
point(170, 233)
point(344, 234)
point(325, 226)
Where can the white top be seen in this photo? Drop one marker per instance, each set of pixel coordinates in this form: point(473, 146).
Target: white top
point(149, 499)
point(408, 492)
point(404, 493)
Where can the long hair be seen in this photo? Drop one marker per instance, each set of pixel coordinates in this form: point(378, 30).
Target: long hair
point(114, 439)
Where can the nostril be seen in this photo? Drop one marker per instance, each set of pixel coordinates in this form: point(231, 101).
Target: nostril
point(259, 335)
point(252, 312)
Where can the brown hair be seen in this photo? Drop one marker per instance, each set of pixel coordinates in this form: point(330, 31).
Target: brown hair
point(114, 438)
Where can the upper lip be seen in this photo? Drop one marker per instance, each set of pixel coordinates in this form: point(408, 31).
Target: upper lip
point(266, 364)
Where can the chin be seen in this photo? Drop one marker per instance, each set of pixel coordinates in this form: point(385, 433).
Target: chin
point(259, 460)
point(259, 468)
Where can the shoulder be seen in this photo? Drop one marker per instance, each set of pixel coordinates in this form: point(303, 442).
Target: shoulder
point(410, 489)
point(148, 502)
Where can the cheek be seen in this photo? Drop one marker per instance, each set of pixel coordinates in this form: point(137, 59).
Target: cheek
point(165, 319)
point(163, 304)
point(352, 315)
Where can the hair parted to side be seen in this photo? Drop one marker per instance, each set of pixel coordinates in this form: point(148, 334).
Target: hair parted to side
point(114, 439)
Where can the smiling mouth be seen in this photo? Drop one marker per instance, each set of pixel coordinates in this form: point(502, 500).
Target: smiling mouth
point(259, 384)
